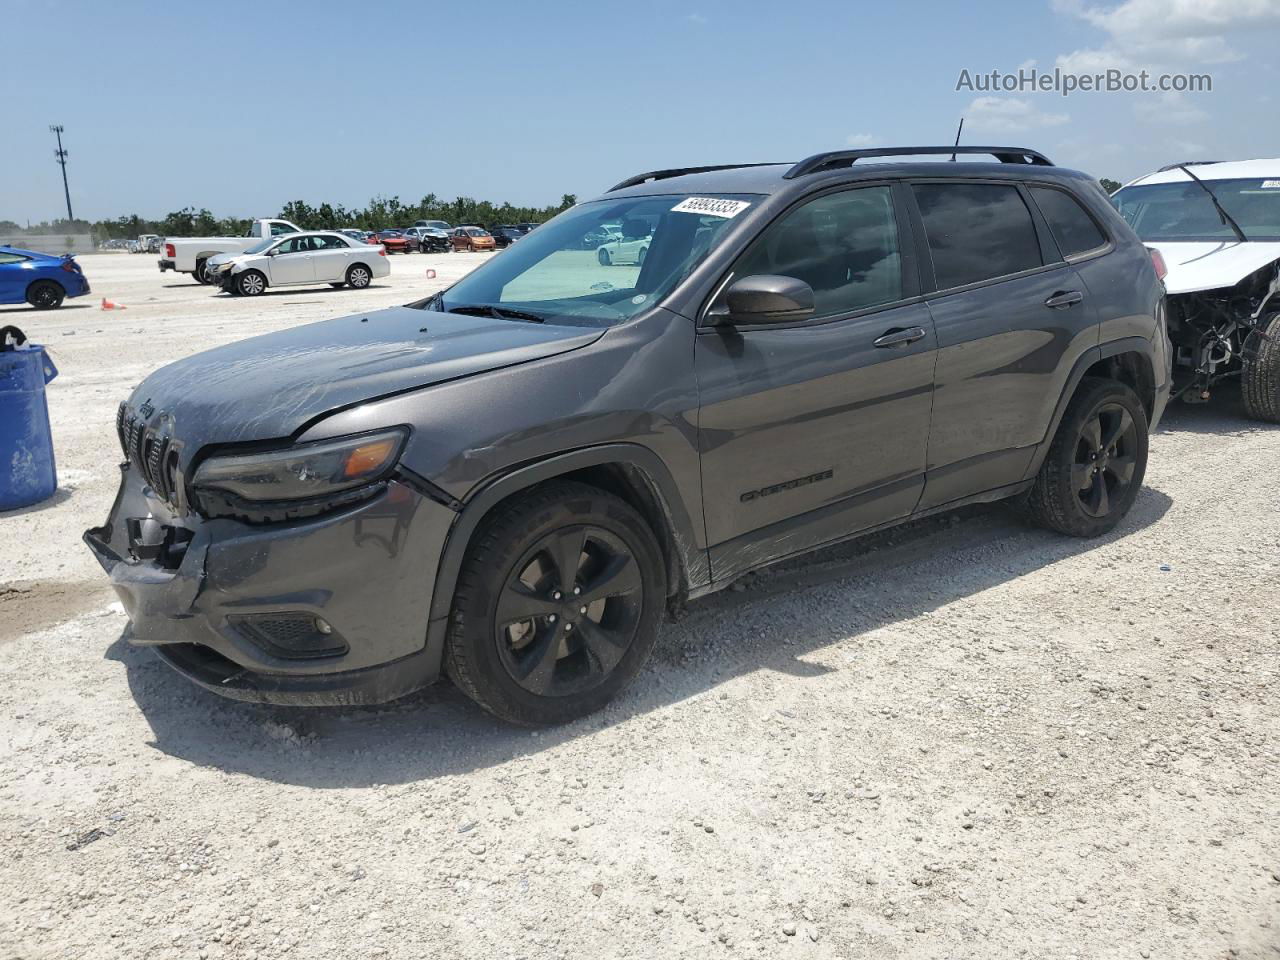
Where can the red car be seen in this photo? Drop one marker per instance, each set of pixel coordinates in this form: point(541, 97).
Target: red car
point(395, 241)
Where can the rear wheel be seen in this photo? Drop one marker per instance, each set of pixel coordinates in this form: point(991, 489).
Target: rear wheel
point(46, 294)
point(1260, 383)
point(557, 606)
point(358, 276)
point(1095, 465)
point(251, 283)
point(199, 273)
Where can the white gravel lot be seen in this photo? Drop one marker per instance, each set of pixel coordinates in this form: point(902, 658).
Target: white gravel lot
point(964, 738)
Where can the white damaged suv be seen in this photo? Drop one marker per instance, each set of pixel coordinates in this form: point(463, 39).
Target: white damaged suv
point(1217, 228)
point(299, 259)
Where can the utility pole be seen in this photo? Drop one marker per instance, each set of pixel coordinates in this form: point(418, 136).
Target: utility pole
point(61, 154)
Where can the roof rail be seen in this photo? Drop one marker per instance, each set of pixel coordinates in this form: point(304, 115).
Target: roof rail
point(640, 178)
point(845, 158)
point(1189, 163)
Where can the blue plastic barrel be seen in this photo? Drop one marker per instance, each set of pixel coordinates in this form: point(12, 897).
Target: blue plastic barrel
point(27, 471)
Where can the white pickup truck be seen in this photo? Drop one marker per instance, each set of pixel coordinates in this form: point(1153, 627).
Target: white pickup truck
point(188, 254)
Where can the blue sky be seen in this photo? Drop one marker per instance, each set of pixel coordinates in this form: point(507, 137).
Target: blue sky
point(242, 107)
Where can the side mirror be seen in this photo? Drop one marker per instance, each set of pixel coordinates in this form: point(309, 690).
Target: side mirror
point(764, 299)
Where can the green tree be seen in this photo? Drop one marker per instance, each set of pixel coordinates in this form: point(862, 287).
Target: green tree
point(1111, 186)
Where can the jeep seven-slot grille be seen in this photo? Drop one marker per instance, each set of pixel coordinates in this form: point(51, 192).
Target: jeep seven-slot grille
point(145, 450)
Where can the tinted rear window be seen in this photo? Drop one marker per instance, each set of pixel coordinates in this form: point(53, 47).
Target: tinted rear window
point(1069, 223)
point(977, 231)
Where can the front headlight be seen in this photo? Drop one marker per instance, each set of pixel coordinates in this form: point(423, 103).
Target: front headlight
point(306, 471)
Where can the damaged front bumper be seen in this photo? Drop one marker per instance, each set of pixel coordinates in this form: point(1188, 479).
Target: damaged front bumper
point(332, 609)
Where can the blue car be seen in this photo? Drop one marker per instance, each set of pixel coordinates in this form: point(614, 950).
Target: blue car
point(39, 279)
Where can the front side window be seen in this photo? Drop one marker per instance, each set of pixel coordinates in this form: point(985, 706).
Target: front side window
point(279, 229)
point(844, 245)
point(977, 231)
point(568, 270)
point(1070, 224)
point(1184, 211)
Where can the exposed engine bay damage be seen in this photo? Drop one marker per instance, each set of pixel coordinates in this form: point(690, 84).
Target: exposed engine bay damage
point(1218, 334)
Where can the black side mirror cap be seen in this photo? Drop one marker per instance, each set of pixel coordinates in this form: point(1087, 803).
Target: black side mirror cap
point(764, 299)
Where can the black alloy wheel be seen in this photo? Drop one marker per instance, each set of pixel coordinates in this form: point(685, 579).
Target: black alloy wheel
point(1105, 460)
point(569, 611)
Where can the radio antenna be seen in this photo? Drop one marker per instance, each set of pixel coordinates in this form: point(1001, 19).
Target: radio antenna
point(957, 143)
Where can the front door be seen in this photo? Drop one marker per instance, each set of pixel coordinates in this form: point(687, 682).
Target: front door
point(812, 431)
point(293, 262)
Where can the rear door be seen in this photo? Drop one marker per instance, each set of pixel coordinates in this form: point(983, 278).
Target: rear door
point(332, 256)
point(810, 431)
point(1009, 315)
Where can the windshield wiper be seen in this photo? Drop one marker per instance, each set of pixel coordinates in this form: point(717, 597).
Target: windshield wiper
point(498, 313)
point(1227, 219)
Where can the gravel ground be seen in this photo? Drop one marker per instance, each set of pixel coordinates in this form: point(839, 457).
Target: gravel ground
point(962, 738)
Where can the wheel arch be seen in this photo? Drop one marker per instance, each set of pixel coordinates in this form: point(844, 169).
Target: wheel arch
point(629, 471)
point(26, 294)
point(1128, 360)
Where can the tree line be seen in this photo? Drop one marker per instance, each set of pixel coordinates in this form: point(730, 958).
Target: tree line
point(381, 213)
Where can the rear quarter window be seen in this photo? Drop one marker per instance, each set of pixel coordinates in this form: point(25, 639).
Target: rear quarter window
point(1071, 225)
point(977, 231)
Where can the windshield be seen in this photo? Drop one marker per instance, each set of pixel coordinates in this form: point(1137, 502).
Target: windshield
point(570, 267)
point(262, 245)
point(1183, 211)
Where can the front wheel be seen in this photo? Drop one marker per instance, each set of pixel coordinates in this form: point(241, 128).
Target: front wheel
point(251, 283)
point(45, 295)
point(602, 256)
point(199, 273)
point(1260, 379)
point(359, 276)
point(557, 606)
point(1095, 465)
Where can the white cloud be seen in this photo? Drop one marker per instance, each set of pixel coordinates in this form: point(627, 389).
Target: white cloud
point(1008, 115)
point(1153, 34)
point(1171, 108)
point(696, 18)
point(860, 139)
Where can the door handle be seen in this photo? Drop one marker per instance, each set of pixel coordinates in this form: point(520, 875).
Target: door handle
point(1063, 299)
point(899, 337)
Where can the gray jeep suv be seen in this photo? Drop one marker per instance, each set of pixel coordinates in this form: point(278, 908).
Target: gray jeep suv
point(510, 479)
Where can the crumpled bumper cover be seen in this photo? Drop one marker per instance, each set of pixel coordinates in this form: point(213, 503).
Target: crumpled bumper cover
point(186, 583)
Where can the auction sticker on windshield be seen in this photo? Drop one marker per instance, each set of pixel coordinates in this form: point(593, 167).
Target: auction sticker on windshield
point(711, 207)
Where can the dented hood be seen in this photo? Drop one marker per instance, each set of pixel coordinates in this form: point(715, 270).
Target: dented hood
point(268, 387)
point(1211, 265)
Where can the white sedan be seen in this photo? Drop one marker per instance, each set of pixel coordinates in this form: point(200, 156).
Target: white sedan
point(299, 259)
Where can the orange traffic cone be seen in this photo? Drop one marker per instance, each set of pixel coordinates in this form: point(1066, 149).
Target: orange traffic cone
point(108, 305)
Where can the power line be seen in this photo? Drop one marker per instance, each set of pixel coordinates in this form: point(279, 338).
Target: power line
point(61, 154)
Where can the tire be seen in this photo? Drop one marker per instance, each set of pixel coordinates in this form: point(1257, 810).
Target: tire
point(46, 294)
point(251, 283)
point(1260, 379)
point(644, 252)
point(511, 564)
point(359, 276)
point(602, 255)
point(1095, 465)
point(199, 273)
